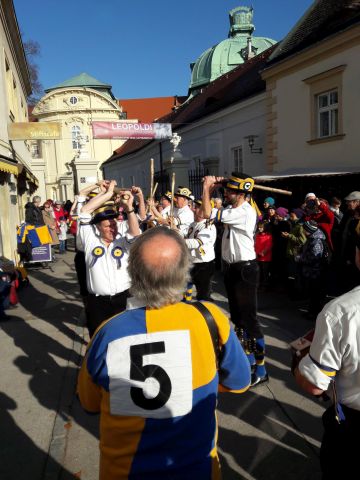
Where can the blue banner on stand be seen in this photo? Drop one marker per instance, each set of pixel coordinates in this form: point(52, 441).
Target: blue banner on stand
point(41, 254)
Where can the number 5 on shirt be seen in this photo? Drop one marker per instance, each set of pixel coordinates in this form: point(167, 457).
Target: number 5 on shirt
point(151, 375)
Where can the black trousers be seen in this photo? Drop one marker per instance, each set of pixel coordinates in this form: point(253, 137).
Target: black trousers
point(339, 448)
point(201, 275)
point(241, 282)
point(102, 307)
point(80, 267)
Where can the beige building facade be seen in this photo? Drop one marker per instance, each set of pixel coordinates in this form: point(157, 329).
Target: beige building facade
point(313, 99)
point(17, 182)
point(65, 166)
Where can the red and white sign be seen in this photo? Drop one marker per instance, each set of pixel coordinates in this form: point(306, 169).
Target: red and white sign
point(124, 130)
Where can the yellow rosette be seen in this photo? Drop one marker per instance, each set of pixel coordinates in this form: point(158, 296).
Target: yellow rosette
point(96, 253)
point(117, 253)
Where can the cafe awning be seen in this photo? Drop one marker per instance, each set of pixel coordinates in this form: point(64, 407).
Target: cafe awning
point(8, 167)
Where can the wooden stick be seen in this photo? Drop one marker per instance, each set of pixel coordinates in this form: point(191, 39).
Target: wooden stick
point(122, 189)
point(271, 189)
point(154, 191)
point(172, 199)
point(151, 177)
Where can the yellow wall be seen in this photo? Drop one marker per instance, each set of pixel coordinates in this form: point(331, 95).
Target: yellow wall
point(54, 169)
point(290, 106)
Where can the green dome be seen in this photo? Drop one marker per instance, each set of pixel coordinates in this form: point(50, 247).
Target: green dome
point(228, 54)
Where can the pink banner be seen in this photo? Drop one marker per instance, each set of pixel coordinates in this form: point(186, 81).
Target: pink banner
point(124, 130)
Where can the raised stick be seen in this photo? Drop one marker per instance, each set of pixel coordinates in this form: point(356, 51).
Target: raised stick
point(172, 198)
point(154, 191)
point(151, 176)
point(122, 189)
point(271, 189)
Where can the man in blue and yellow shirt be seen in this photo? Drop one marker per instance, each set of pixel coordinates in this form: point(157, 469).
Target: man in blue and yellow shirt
point(152, 372)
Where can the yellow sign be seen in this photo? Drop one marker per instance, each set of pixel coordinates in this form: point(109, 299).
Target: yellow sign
point(34, 131)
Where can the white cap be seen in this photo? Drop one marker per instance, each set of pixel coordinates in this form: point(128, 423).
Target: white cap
point(310, 195)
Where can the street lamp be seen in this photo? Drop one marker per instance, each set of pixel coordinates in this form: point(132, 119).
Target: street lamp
point(251, 142)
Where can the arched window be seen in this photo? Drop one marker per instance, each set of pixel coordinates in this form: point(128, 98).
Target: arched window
point(75, 137)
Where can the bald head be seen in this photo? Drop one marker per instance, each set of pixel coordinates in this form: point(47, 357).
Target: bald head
point(160, 251)
point(159, 267)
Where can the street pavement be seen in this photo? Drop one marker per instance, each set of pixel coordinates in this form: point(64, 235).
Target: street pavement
point(270, 432)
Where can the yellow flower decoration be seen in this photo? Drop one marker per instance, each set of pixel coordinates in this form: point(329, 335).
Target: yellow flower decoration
point(117, 253)
point(97, 252)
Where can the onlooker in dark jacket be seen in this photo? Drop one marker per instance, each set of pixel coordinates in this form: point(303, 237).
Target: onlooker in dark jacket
point(279, 261)
point(33, 213)
point(313, 267)
point(349, 274)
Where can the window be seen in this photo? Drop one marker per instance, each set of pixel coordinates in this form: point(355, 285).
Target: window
point(35, 150)
point(326, 106)
point(75, 137)
point(328, 114)
point(237, 157)
point(73, 100)
point(9, 90)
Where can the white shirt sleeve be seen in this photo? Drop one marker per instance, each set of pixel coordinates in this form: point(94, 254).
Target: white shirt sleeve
point(326, 351)
point(80, 203)
point(85, 229)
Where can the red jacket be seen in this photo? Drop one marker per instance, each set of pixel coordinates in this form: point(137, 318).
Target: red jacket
point(60, 213)
point(263, 246)
point(325, 220)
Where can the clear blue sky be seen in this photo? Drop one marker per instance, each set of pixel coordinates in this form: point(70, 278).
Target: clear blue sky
point(142, 48)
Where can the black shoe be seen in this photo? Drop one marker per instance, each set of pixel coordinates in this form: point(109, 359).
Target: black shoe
point(255, 380)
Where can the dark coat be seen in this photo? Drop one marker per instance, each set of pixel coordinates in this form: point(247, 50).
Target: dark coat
point(33, 215)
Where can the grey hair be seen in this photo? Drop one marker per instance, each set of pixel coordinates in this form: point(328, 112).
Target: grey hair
point(36, 199)
point(164, 285)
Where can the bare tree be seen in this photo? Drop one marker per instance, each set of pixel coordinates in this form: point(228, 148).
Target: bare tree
point(32, 51)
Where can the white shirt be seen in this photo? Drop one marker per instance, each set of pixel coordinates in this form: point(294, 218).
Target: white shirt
point(123, 227)
point(183, 218)
point(80, 203)
point(214, 212)
point(201, 240)
point(335, 349)
point(62, 235)
point(106, 274)
point(238, 237)
point(165, 212)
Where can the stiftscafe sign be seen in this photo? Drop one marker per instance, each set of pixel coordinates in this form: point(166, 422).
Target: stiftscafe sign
point(125, 130)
